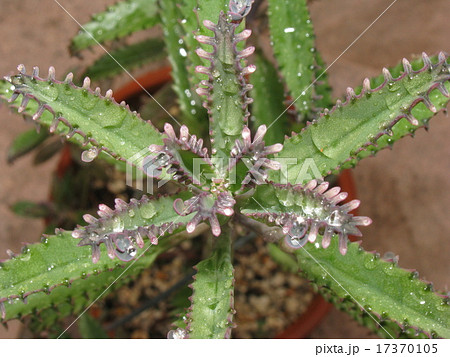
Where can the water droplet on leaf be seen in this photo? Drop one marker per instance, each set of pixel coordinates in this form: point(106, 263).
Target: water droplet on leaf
point(176, 334)
point(89, 155)
point(147, 211)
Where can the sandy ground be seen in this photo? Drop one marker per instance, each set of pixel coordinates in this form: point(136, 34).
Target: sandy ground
point(403, 190)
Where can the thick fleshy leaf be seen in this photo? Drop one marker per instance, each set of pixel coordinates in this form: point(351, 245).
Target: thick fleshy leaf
point(58, 275)
point(403, 127)
point(283, 259)
point(193, 13)
point(59, 260)
point(268, 101)
point(292, 36)
point(31, 209)
point(392, 297)
point(322, 98)
point(211, 311)
point(303, 211)
point(25, 142)
point(209, 10)
point(124, 228)
point(179, 45)
point(226, 89)
point(379, 116)
point(83, 115)
point(90, 328)
point(117, 21)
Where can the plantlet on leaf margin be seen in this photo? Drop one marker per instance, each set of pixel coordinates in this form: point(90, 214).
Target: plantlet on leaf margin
point(304, 210)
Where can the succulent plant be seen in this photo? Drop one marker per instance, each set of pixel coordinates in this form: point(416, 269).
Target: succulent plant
point(235, 176)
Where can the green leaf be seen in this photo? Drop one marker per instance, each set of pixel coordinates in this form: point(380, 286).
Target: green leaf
point(129, 57)
point(24, 143)
point(339, 137)
point(380, 287)
point(83, 115)
point(188, 17)
point(181, 43)
point(48, 150)
point(31, 209)
point(117, 21)
point(211, 311)
point(178, 48)
point(283, 259)
point(403, 127)
point(292, 36)
point(58, 260)
point(90, 328)
point(145, 217)
point(57, 273)
point(226, 90)
point(322, 90)
point(209, 10)
point(303, 211)
point(268, 104)
point(193, 13)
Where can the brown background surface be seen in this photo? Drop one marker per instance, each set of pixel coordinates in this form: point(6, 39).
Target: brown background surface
point(404, 191)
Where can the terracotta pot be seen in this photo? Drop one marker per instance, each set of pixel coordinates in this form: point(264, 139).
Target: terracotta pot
point(150, 81)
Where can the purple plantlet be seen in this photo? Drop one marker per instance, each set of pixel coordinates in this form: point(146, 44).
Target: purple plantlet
point(310, 209)
point(206, 206)
point(238, 9)
point(110, 229)
point(168, 156)
point(185, 142)
point(10, 254)
point(254, 154)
